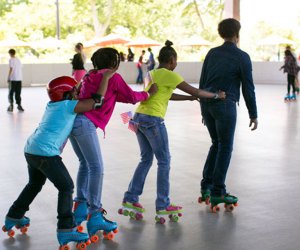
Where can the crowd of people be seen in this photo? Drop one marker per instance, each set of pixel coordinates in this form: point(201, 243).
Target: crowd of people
point(81, 104)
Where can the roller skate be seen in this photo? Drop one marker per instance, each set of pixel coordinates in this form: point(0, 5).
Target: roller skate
point(80, 210)
point(97, 222)
point(297, 90)
point(229, 201)
point(205, 196)
point(134, 210)
point(64, 237)
point(172, 211)
point(10, 108)
point(21, 224)
point(20, 108)
point(287, 98)
point(293, 97)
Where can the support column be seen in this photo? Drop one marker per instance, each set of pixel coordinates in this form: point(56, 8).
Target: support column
point(232, 9)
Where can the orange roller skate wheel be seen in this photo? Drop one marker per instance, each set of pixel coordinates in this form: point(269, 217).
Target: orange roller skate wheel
point(80, 229)
point(94, 238)
point(4, 229)
point(215, 209)
point(108, 236)
point(116, 231)
point(64, 247)
point(81, 246)
point(24, 230)
point(11, 233)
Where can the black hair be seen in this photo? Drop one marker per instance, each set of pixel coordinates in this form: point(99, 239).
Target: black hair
point(78, 46)
point(12, 52)
point(106, 58)
point(287, 52)
point(166, 53)
point(228, 28)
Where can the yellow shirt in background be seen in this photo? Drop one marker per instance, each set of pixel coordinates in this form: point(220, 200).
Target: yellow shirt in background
point(157, 104)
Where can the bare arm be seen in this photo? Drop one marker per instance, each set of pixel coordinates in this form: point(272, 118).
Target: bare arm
point(9, 73)
point(199, 93)
point(97, 100)
point(178, 97)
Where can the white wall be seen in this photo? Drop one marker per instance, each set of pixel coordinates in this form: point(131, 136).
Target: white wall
point(35, 74)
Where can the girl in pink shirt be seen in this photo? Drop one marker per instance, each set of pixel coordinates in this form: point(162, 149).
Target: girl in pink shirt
point(85, 141)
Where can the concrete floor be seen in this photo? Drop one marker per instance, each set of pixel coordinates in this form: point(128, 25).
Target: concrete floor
point(264, 174)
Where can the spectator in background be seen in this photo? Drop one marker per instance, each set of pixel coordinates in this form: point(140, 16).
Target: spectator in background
point(130, 56)
point(122, 57)
point(78, 63)
point(291, 68)
point(151, 61)
point(14, 80)
point(139, 66)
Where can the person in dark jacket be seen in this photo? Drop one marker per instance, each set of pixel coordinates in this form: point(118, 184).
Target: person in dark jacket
point(226, 68)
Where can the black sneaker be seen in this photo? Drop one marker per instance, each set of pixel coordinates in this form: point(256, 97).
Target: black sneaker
point(20, 108)
point(10, 108)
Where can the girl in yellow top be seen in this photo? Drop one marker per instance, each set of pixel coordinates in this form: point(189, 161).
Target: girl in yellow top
point(153, 138)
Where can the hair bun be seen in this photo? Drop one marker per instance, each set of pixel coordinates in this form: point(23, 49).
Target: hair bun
point(168, 43)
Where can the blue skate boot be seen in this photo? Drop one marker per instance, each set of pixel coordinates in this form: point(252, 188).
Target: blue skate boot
point(205, 196)
point(97, 222)
point(293, 97)
point(21, 224)
point(80, 211)
point(64, 236)
point(287, 98)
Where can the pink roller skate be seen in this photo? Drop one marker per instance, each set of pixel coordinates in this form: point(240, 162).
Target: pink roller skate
point(134, 210)
point(172, 211)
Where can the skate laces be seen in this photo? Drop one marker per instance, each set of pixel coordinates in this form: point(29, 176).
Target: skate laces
point(103, 211)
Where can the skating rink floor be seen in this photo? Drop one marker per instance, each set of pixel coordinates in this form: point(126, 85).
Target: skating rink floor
point(264, 174)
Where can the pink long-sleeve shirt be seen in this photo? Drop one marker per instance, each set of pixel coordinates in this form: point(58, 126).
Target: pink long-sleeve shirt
point(117, 91)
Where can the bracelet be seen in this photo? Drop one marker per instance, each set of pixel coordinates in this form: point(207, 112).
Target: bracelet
point(98, 100)
point(216, 96)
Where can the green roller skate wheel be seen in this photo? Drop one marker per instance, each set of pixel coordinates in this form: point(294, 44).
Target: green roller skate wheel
point(132, 214)
point(174, 218)
point(126, 212)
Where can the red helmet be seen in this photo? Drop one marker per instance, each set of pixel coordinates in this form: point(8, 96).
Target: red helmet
point(58, 86)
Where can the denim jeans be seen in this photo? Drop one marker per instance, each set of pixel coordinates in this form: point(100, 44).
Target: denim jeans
point(153, 140)
point(39, 169)
point(86, 145)
point(140, 75)
point(220, 120)
point(15, 88)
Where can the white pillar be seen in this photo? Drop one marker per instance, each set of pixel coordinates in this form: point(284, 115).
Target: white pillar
point(232, 9)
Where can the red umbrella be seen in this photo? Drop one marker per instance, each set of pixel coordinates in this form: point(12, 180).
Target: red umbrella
point(111, 39)
point(143, 43)
point(195, 41)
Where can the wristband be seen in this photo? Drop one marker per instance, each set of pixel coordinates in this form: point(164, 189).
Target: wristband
point(98, 100)
point(216, 96)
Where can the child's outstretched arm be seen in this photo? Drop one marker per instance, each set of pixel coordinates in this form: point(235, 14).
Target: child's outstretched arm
point(199, 93)
point(97, 98)
point(178, 97)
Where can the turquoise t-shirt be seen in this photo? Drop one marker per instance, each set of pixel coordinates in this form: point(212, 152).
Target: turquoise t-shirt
point(52, 133)
point(166, 81)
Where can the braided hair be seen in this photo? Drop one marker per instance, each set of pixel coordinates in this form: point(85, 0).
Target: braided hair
point(167, 53)
point(106, 58)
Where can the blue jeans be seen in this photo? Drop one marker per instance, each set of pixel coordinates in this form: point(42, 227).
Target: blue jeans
point(86, 145)
point(140, 75)
point(153, 140)
point(220, 120)
point(39, 169)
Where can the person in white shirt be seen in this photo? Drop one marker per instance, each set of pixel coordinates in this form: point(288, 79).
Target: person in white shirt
point(14, 81)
